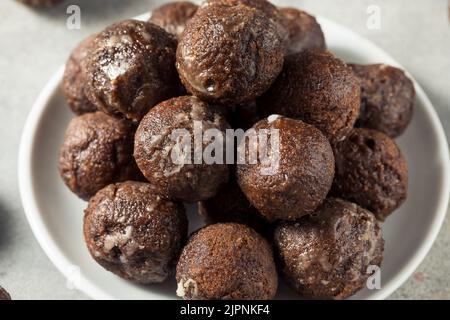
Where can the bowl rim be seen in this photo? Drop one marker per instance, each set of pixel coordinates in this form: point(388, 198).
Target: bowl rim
point(58, 258)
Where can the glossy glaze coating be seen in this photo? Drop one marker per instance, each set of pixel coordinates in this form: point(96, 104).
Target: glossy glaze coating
point(271, 12)
point(303, 177)
point(156, 149)
point(371, 171)
point(226, 261)
point(387, 98)
point(173, 16)
point(317, 88)
point(97, 150)
point(133, 232)
point(131, 68)
point(304, 31)
point(229, 54)
point(73, 80)
point(327, 254)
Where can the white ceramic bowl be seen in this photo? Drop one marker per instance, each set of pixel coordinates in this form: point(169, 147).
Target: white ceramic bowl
point(55, 214)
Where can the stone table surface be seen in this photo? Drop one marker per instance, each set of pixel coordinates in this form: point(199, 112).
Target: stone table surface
point(34, 43)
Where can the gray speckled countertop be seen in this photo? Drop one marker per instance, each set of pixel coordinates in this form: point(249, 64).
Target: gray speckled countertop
point(35, 43)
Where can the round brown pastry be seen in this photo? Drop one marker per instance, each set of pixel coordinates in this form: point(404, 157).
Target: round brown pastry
point(173, 16)
point(304, 31)
point(297, 173)
point(317, 88)
point(328, 254)
point(265, 6)
point(229, 54)
point(226, 261)
point(176, 164)
point(371, 171)
point(4, 295)
point(97, 151)
point(40, 3)
point(387, 98)
point(231, 205)
point(131, 68)
point(73, 81)
point(133, 232)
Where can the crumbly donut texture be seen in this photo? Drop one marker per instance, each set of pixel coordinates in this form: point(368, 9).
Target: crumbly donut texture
point(371, 171)
point(226, 261)
point(327, 255)
point(135, 233)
